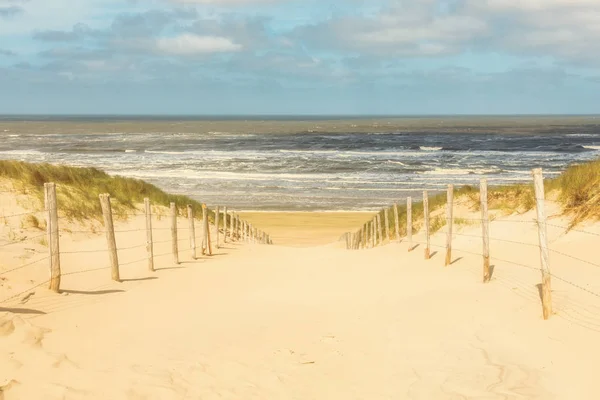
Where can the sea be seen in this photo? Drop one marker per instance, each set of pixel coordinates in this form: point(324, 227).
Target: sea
point(306, 163)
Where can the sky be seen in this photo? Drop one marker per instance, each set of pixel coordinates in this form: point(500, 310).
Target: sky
point(295, 57)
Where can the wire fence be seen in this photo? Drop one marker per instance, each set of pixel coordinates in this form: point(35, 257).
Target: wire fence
point(117, 242)
point(388, 226)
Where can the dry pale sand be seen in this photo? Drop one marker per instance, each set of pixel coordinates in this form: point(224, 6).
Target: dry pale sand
point(279, 322)
point(302, 229)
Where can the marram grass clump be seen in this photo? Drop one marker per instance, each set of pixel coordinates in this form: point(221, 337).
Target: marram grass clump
point(78, 189)
point(577, 189)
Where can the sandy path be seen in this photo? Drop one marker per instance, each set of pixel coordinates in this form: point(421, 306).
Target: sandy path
point(305, 229)
point(270, 322)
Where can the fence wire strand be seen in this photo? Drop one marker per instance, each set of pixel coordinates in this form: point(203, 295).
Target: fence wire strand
point(22, 240)
point(24, 265)
point(24, 291)
point(21, 214)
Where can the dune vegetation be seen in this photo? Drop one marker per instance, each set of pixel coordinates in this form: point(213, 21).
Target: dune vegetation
point(78, 189)
point(577, 190)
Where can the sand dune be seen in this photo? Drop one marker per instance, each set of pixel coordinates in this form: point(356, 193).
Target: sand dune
point(280, 322)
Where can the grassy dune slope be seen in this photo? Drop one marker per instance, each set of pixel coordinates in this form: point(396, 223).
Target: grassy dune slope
point(78, 189)
point(577, 189)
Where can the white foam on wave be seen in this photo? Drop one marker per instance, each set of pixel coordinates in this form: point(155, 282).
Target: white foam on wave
point(426, 148)
point(396, 162)
point(592, 147)
point(309, 151)
point(459, 171)
point(12, 135)
point(163, 152)
point(223, 175)
point(28, 152)
point(130, 151)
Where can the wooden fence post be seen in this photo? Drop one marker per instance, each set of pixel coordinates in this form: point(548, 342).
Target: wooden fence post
point(397, 222)
point(409, 227)
point(174, 243)
point(449, 222)
point(53, 237)
point(110, 236)
point(217, 223)
point(379, 227)
point(206, 227)
point(365, 235)
point(485, 229)
point(233, 227)
point(426, 221)
point(387, 223)
point(192, 229)
point(225, 225)
point(204, 246)
point(542, 233)
point(149, 241)
point(373, 233)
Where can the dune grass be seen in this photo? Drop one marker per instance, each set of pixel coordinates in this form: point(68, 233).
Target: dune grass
point(78, 189)
point(577, 189)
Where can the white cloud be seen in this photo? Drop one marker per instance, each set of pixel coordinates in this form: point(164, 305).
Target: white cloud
point(190, 44)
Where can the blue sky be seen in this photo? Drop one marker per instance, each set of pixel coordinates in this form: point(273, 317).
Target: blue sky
point(300, 56)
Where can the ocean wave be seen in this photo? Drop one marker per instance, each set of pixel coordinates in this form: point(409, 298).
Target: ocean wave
point(28, 152)
point(164, 152)
point(460, 171)
point(130, 151)
point(592, 147)
point(426, 148)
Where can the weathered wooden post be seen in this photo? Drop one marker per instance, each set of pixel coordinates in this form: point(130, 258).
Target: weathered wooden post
point(217, 217)
point(365, 235)
point(409, 227)
point(379, 228)
point(485, 229)
point(542, 233)
point(233, 227)
point(225, 225)
point(426, 221)
point(449, 222)
point(149, 241)
point(397, 222)
point(206, 222)
point(174, 244)
point(192, 229)
point(204, 229)
point(110, 236)
point(209, 240)
point(53, 237)
point(373, 234)
point(387, 223)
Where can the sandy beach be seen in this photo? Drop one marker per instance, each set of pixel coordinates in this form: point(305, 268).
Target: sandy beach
point(305, 229)
point(302, 320)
